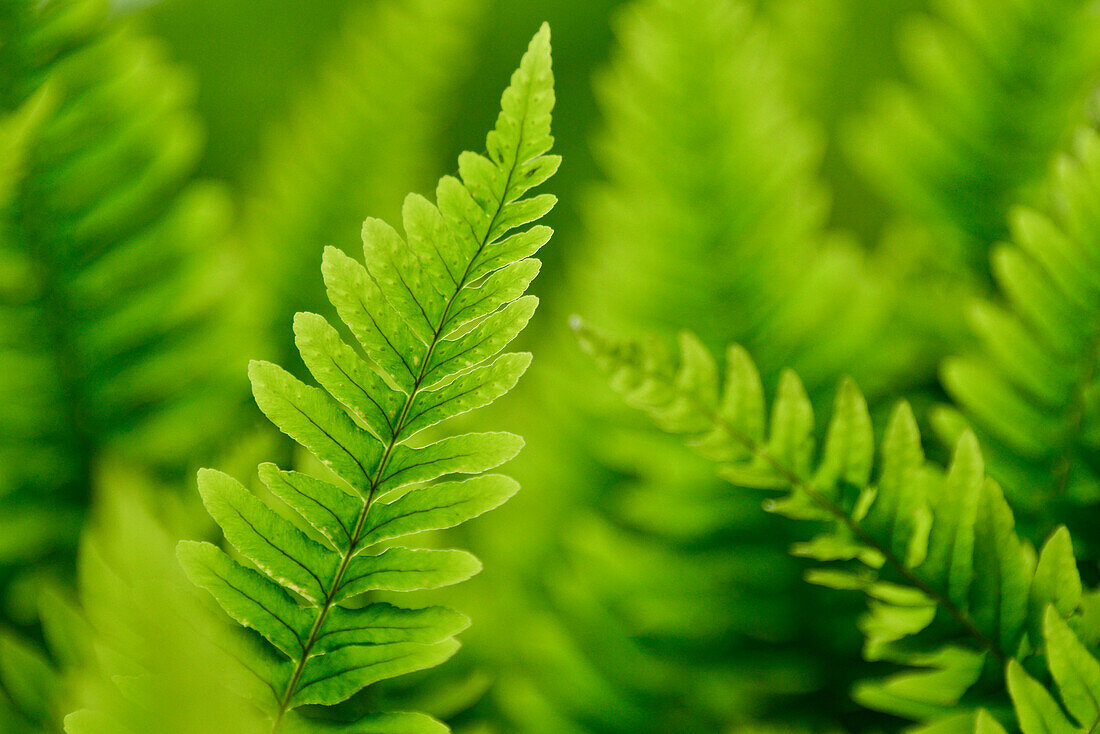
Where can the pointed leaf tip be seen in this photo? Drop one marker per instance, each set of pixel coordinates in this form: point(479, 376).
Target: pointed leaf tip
point(542, 36)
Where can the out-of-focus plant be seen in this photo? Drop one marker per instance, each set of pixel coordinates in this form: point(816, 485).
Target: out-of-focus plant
point(153, 655)
point(714, 215)
point(993, 92)
point(114, 294)
point(712, 212)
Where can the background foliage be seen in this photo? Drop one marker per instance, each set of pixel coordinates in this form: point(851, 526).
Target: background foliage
point(904, 193)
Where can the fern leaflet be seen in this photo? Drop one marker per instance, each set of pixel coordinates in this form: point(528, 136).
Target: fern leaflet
point(1074, 680)
point(430, 311)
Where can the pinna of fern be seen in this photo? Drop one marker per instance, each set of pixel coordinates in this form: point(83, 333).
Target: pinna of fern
point(1030, 386)
point(429, 312)
point(956, 599)
point(102, 229)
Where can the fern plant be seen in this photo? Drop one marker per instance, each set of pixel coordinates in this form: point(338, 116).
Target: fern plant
point(102, 229)
point(955, 595)
point(429, 312)
point(28, 681)
point(995, 92)
point(714, 197)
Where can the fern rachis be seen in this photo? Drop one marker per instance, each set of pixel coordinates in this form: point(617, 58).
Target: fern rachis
point(429, 311)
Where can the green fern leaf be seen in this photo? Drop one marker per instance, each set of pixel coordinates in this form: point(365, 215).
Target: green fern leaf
point(952, 591)
point(430, 311)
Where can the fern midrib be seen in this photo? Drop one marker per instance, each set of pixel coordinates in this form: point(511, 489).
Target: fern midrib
point(399, 425)
point(800, 483)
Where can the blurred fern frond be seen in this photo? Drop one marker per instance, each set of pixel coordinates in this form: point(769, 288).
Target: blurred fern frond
point(1066, 697)
point(956, 598)
point(1030, 386)
point(431, 310)
point(141, 629)
point(996, 90)
point(115, 291)
point(713, 212)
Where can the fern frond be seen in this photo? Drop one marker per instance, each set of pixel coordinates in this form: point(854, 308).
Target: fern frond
point(1030, 388)
point(340, 152)
point(995, 91)
point(430, 310)
point(714, 213)
point(953, 591)
point(112, 299)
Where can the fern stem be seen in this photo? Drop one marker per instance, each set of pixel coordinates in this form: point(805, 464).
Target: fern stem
point(399, 425)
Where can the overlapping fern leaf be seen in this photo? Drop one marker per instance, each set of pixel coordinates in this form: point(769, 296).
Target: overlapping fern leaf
point(429, 312)
point(394, 60)
point(996, 89)
point(114, 291)
point(1031, 387)
point(955, 595)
